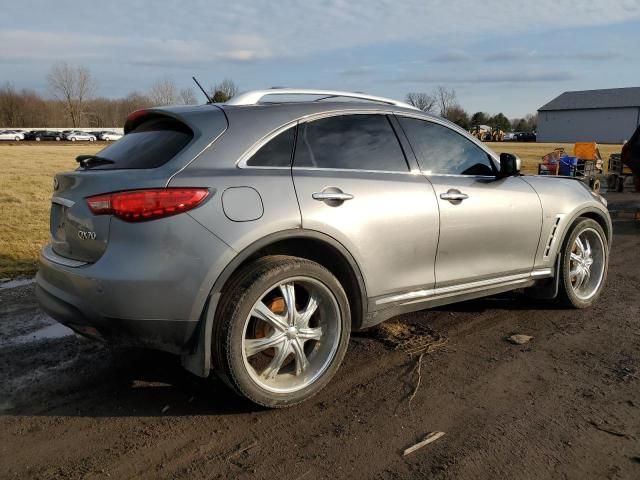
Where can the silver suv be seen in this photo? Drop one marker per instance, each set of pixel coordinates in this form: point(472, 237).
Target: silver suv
point(252, 237)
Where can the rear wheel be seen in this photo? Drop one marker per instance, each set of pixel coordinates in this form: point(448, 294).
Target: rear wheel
point(37, 139)
point(584, 263)
point(281, 331)
point(17, 139)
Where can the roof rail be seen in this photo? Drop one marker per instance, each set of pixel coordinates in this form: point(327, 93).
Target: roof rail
point(253, 97)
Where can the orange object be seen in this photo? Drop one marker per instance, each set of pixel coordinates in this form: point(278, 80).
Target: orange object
point(588, 151)
point(553, 158)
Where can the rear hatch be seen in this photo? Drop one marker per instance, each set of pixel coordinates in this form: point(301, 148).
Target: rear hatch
point(157, 144)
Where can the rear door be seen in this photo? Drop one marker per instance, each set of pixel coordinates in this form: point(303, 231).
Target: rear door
point(353, 183)
point(489, 227)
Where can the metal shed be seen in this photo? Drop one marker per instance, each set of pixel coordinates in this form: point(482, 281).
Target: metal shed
point(603, 116)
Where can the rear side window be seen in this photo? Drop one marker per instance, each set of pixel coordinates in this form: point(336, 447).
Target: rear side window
point(358, 142)
point(151, 144)
point(440, 150)
point(276, 152)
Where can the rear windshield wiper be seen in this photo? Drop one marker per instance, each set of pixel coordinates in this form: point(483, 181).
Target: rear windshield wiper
point(88, 161)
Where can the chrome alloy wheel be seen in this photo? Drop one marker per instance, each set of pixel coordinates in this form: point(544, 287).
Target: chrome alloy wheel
point(291, 335)
point(586, 265)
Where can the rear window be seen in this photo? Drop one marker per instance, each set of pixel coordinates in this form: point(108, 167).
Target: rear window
point(151, 144)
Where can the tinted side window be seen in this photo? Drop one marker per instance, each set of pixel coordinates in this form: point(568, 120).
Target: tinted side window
point(441, 150)
point(149, 145)
point(359, 142)
point(276, 152)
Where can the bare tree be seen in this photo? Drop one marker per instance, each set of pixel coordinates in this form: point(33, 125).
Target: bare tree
point(10, 106)
point(445, 99)
point(421, 100)
point(458, 115)
point(532, 121)
point(73, 86)
point(188, 97)
point(223, 91)
point(164, 92)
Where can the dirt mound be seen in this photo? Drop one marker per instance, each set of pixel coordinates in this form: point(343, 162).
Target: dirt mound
point(413, 339)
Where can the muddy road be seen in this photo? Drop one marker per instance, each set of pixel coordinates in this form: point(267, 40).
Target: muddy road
point(565, 405)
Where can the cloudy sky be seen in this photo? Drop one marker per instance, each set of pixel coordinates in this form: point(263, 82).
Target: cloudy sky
point(498, 55)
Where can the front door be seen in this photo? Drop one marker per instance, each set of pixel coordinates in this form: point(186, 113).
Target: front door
point(354, 184)
point(489, 227)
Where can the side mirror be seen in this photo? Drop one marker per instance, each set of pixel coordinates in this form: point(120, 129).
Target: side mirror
point(509, 165)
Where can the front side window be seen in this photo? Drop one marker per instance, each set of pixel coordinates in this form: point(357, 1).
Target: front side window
point(442, 151)
point(276, 152)
point(358, 142)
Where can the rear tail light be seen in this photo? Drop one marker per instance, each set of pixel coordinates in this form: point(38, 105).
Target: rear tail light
point(142, 205)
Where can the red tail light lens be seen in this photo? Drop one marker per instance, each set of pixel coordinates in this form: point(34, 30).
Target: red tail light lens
point(142, 205)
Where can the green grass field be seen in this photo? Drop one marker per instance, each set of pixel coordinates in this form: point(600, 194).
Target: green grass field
point(26, 173)
point(26, 179)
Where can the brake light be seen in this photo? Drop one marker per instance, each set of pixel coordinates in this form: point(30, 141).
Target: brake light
point(142, 205)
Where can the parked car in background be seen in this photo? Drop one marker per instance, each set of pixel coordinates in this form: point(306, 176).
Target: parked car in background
point(526, 137)
point(253, 237)
point(510, 136)
point(77, 135)
point(109, 136)
point(43, 135)
point(11, 135)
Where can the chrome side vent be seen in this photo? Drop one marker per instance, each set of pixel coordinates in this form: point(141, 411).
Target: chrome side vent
point(552, 235)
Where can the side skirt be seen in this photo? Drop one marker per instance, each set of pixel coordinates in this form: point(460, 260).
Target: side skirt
point(382, 309)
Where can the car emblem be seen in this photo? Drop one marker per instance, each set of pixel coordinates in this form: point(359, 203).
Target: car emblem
point(86, 235)
point(56, 184)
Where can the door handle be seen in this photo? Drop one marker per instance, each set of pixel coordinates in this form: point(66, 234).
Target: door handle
point(454, 196)
point(336, 196)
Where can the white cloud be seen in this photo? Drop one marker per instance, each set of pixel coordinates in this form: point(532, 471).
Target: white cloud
point(177, 33)
point(509, 76)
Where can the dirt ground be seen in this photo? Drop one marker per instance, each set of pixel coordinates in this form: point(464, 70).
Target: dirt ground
point(565, 405)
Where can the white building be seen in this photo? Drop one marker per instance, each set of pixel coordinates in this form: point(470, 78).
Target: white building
point(603, 116)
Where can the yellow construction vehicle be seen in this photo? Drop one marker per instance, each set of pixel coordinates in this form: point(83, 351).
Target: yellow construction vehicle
point(482, 132)
point(497, 135)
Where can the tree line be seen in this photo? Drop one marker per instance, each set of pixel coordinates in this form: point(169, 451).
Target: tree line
point(443, 101)
point(74, 102)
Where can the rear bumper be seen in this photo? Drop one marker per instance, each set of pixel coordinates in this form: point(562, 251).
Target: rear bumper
point(148, 289)
point(168, 335)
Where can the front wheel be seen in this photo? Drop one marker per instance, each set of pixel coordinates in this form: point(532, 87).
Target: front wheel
point(584, 263)
point(17, 139)
point(281, 331)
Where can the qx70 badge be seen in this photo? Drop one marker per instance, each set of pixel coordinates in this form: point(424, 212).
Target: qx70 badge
point(86, 235)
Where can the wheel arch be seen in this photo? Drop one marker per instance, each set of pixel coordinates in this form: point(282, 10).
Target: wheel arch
point(594, 214)
point(309, 244)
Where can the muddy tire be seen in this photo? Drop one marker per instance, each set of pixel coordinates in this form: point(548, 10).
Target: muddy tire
point(584, 264)
point(281, 330)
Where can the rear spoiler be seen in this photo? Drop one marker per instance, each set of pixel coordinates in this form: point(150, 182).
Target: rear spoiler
point(185, 114)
